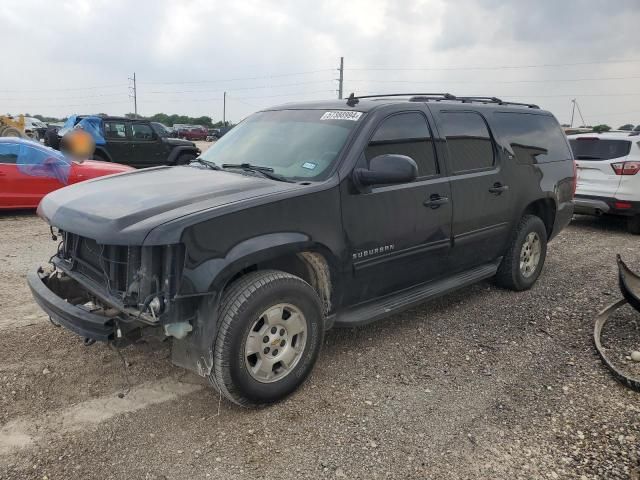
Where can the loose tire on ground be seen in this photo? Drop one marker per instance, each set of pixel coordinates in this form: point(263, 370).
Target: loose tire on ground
point(516, 271)
point(633, 225)
point(12, 132)
point(252, 299)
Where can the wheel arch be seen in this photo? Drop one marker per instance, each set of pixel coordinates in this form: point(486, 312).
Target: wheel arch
point(179, 150)
point(293, 253)
point(545, 209)
point(103, 153)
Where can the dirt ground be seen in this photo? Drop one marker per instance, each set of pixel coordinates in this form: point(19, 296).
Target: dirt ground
point(481, 384)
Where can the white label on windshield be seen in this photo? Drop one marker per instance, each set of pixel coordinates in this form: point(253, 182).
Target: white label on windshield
point(341, 115)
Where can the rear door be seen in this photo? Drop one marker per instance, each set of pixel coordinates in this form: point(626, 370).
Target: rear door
point(594, 159)
point(482, 199)
point(146, 146)
point(117, 136)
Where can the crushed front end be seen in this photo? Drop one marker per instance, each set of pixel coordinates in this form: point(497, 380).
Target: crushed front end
point(113, 293)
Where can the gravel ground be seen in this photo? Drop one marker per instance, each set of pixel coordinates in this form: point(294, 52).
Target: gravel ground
point(483, 383)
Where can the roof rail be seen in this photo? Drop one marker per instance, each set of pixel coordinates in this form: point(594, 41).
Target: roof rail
point(353, 99)
point(425, 97)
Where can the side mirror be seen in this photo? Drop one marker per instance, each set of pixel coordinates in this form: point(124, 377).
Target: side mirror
point(385, 169)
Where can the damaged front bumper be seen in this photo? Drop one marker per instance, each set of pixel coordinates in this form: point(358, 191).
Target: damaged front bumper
point(63, 299)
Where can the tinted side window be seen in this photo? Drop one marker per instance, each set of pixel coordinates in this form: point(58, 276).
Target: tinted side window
point(115, 130)
point(533, 138)
point(405, 134)
point(468, 140)
point(9, 152)
point(141, 131)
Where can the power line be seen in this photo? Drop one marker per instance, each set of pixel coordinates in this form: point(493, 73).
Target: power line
point(496, 81)
point(260, 77)
point(260, 87)
point(95, 87)
point(486, 67)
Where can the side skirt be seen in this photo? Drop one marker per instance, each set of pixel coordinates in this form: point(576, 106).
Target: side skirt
point(397, 302)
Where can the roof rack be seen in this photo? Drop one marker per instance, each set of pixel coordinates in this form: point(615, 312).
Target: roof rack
point(425, 97)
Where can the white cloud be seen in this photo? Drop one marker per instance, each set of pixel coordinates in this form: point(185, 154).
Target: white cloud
point(56, 50)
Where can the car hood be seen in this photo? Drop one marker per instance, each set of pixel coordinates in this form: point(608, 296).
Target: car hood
point(123, 209)
point(179, 142)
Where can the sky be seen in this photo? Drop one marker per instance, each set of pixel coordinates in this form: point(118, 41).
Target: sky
point(77, 56)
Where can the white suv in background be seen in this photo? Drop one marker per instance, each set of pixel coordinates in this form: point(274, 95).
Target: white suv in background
point(608, 178)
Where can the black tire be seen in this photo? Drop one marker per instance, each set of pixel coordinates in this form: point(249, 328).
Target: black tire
point(633, 225)
point(13, 132)
point(242, 305)
point(185, 159)
point(100, 158)
point(509, 273)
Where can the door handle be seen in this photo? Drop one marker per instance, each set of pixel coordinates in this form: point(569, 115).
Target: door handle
point(435, 201)
point(498, 188)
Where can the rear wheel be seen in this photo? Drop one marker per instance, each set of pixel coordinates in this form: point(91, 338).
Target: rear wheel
point(633, 225)
point(523, 261)
point(271, 330)
point(100, 158)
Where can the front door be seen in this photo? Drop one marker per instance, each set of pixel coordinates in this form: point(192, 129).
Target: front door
point(398, 235)
point(482, 196)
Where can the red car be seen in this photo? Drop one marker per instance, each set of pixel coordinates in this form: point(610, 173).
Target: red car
point(29, 170)
point(193, 133)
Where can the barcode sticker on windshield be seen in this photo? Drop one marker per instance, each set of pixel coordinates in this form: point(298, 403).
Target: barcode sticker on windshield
point(341, 115)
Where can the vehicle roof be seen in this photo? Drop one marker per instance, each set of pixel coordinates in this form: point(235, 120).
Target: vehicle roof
point(370, 104)
point(618, 135)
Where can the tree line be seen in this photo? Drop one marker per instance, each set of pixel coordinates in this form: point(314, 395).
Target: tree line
point(166, 119)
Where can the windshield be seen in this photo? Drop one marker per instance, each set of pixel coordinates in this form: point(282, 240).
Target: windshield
point(296, 144)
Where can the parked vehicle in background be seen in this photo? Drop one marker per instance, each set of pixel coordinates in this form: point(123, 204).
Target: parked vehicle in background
point(608, 179)
point(304, 217)
point(138, 143)
point(192, 132)
point(34, 128)
point(29, 171)
point(217, 133)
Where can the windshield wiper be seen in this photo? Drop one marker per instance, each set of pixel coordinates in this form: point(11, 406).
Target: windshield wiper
point(206, 163)
point(264, 171)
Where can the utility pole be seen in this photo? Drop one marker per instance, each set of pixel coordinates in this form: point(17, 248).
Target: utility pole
point(573, 110)
point(580, 113)
point(224, 109)
point(135, 95)
point(341, 79)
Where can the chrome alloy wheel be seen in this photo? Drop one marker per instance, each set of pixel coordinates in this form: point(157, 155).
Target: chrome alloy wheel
point(530, 254)
point(275, 343)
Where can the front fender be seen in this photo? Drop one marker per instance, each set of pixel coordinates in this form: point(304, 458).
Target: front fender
point(214, 273)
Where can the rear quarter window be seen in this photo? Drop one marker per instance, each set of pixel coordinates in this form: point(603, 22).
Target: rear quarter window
point(533, 138)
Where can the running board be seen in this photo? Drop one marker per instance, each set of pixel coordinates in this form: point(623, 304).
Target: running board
point(397, 302)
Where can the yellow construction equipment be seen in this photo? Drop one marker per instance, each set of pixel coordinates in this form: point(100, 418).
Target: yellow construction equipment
point(11, 126)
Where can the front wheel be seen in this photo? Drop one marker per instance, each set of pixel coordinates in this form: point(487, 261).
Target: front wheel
point(523, 261)
point(185, 159)
point(270, 334)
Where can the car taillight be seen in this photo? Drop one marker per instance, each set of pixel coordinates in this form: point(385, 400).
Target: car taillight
point(626, 168)
point(575, 178)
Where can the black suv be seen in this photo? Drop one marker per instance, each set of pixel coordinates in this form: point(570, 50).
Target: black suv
point(304, 217)
point(138, 143)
